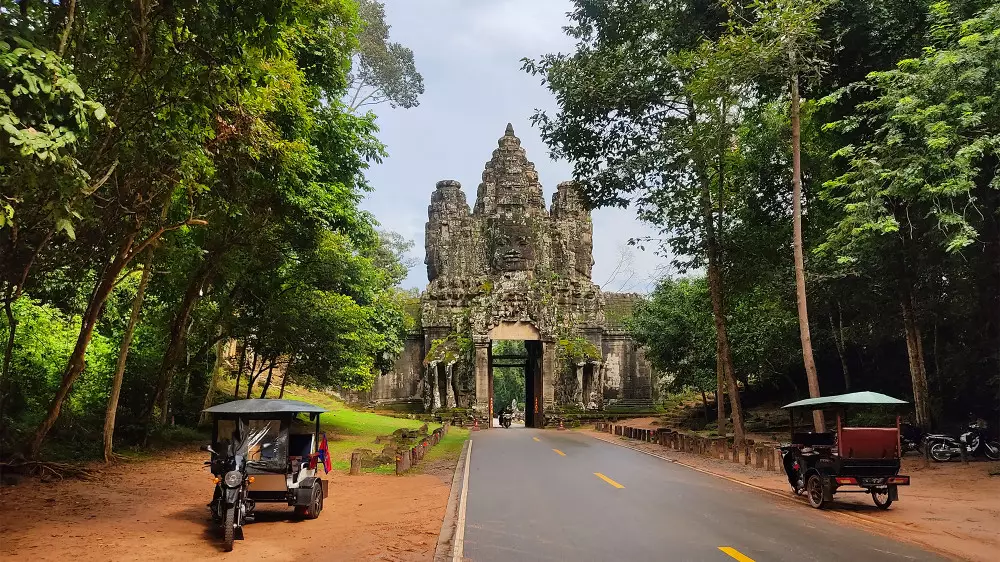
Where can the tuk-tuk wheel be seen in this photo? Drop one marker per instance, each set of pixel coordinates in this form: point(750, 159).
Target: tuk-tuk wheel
point(315, 506)
point(881, 497)
point(815, 491)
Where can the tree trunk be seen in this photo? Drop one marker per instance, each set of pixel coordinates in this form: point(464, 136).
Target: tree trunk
point(284, 378)
point(704, 405)
point(267, 382)
point(838, 341)
point(239, 370)
point(216, 371)
point(76, 363)
point(914, 351)
point(718, 313)
point(720, 392)
point(800, 269)
point(178, 339)
point(8, 352)
point(116, 382)
point(252, 375)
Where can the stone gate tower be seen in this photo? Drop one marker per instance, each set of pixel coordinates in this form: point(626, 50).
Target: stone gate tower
point(508, 268)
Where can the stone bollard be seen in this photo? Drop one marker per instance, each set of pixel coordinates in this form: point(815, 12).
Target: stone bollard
point(746, 453)
point(355, 463)
point(759, 450)
point(402, 462)
point(769, 459)
point(413, 457)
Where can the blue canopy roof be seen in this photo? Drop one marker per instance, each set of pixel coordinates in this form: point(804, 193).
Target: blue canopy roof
point(860, 398)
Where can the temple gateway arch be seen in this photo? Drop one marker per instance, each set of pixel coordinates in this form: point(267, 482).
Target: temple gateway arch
point(511, 269)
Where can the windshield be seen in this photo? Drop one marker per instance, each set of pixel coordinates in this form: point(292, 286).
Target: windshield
point(261, 442)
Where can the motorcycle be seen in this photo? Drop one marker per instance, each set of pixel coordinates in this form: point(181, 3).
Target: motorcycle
point(973, 442)
point(505, 419)
point(231, 507)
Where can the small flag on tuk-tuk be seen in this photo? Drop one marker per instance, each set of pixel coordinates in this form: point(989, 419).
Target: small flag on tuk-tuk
point(324, 454)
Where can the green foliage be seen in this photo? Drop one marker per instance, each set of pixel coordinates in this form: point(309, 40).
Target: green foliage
point(931, 141)
point(232, 161)
point(43, 341)
point(682, 108)
point(44, 116)
point(576, 349)
point(385, 71)
point(508, 382)
point(449, 349)
point(675, 325)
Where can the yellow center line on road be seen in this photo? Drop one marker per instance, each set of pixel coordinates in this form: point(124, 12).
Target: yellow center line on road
point(560, 453)
point(536, 439)
point(735, 554)
point(610, 481)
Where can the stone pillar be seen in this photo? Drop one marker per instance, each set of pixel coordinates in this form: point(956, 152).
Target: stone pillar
point(550, 364)
point(449, 370)
point(578, 394)
point(597, 385)
point(432, 372)
point(482, 371)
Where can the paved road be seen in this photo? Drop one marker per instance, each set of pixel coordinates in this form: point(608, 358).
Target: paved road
point(534, 495)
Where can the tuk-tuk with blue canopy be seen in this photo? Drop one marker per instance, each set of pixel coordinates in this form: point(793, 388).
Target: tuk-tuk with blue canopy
point(263, 451)
point(818, 464)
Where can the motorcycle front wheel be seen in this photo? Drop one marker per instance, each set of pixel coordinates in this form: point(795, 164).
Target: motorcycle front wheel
point(992, 450)
point(229, 528)
point(940, 452)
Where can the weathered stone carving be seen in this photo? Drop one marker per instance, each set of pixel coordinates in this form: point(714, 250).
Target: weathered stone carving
point(509, 259)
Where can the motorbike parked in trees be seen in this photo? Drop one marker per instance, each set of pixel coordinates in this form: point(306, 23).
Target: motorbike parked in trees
point(911, 438)
point(974, 442)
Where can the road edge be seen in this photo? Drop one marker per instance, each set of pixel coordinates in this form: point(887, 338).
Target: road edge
point(450, 543)
point(875, 525)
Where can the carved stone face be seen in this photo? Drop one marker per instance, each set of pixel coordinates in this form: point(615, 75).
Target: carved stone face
point(512, 248)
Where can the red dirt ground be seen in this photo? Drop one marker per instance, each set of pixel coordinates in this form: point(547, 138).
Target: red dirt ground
point(156, 510)
point(953, 508)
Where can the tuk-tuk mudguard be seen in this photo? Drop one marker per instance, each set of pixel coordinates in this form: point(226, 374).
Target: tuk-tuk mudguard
point(302, 496)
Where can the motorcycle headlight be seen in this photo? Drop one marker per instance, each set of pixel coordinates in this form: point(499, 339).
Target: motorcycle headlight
point(233, 478)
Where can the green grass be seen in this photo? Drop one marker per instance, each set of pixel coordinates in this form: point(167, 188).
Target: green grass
point(450, 447)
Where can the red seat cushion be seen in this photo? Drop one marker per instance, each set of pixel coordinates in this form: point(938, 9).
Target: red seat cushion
point(868, 443)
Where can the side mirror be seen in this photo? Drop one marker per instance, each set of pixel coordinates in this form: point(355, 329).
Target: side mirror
point(208, 448)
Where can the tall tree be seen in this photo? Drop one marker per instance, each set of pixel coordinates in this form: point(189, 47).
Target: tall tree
point(645, 112)
point(784, 37)
point(384, 71)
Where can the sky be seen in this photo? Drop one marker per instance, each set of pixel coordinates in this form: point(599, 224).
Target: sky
point(469, 54)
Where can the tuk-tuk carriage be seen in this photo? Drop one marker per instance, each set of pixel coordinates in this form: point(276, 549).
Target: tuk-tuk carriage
point(262, 451)
point(820, 464)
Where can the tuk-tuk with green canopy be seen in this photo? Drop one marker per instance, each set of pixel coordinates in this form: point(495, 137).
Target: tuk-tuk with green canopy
point(818, 464)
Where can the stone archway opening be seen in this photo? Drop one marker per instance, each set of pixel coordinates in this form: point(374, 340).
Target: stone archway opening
point(525, 359)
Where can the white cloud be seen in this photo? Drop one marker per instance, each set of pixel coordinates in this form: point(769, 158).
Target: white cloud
point(469, 53)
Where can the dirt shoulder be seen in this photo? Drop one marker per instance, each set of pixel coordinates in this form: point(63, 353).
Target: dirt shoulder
point(949, 507)
point(156, 510)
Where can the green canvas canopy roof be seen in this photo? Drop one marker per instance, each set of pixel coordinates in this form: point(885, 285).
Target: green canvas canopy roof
point(863, 398)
